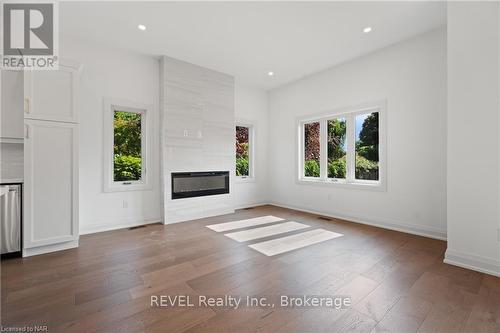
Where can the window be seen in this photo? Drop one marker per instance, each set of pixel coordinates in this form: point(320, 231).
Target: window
point(127, 146)
point(345, 147)
point(337, 148)
point(244, 151)
point(126, 156)
point(312, 151)
point(367, 149)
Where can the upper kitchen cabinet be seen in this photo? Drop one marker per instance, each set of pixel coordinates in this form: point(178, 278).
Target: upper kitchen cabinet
point(11, 117)
point(51, 95)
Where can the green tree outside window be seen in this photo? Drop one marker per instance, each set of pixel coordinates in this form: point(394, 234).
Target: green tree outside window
point(127, 146)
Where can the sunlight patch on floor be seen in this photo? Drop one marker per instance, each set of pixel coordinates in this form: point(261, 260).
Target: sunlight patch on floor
point(290, 243)
point(244, 223)
point(247, 235)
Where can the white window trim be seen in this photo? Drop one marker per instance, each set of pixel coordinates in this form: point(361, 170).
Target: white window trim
point(349, 113)
point(110, 106)
point(251, 153)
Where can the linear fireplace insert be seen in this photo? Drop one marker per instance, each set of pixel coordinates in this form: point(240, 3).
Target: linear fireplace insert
point(197, 184)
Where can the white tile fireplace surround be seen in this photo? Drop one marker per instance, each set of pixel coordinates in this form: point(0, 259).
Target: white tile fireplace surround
point(197, 126)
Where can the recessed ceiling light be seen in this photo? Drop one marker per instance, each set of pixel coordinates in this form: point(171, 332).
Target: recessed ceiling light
point(367, 30)
point(270, 73)
point(141, 27)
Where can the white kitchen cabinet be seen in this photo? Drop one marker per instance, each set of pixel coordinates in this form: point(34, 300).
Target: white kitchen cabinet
point(51, 95)
point(50, 160)
point(50, 183)
point(11, 118)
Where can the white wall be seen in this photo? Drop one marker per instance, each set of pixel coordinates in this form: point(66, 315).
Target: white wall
point(251, 107)
point(122, 75)
point(473, 136)
point(411, 77)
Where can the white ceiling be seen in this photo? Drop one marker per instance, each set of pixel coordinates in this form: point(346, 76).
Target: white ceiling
point(248, 39)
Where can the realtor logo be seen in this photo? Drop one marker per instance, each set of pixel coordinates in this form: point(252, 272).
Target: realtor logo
point(29, 35)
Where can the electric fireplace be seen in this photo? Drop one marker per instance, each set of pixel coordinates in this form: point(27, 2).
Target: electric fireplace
point(197, 184)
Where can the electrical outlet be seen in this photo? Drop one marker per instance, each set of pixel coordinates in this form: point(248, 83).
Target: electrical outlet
point(125, 204)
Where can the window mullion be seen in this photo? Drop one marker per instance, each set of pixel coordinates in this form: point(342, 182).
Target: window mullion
point(143, 147)
point(251, 151)
point(302, 148)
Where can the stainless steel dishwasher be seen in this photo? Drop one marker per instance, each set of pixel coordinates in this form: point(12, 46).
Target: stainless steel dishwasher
point(10, 220)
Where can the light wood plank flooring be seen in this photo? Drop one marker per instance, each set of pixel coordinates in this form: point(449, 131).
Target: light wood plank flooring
point(397, 282)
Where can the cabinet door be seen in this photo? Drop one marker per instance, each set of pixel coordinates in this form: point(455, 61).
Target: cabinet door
point(51, 95)
point(51, 183)
point(12, 105)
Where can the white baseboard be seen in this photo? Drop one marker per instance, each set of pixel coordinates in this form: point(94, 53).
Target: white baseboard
point(200, 215)
point(406, 228)
point(251, 205)
point(101, 227)
point(476, 263)
point(49, 248)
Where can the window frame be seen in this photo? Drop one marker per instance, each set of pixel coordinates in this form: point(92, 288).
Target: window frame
point(321, 150)
point(110, 185)
point(349, 114)
point(251, 152)
point(325, 143)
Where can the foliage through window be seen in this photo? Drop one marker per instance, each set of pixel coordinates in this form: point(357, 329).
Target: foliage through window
point(337, 148)
point(351, 145)
point(367, 149)
point(243, 142)
point(127, 146)
point(312, 149)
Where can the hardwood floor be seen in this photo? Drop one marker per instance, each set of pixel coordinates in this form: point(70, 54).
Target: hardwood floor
point(397, 282)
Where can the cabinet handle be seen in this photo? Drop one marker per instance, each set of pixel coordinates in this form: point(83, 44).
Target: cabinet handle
point(26, 105)
point(27, 132)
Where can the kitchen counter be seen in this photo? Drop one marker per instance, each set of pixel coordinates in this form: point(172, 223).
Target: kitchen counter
point(11, 180)
point(3, 190)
